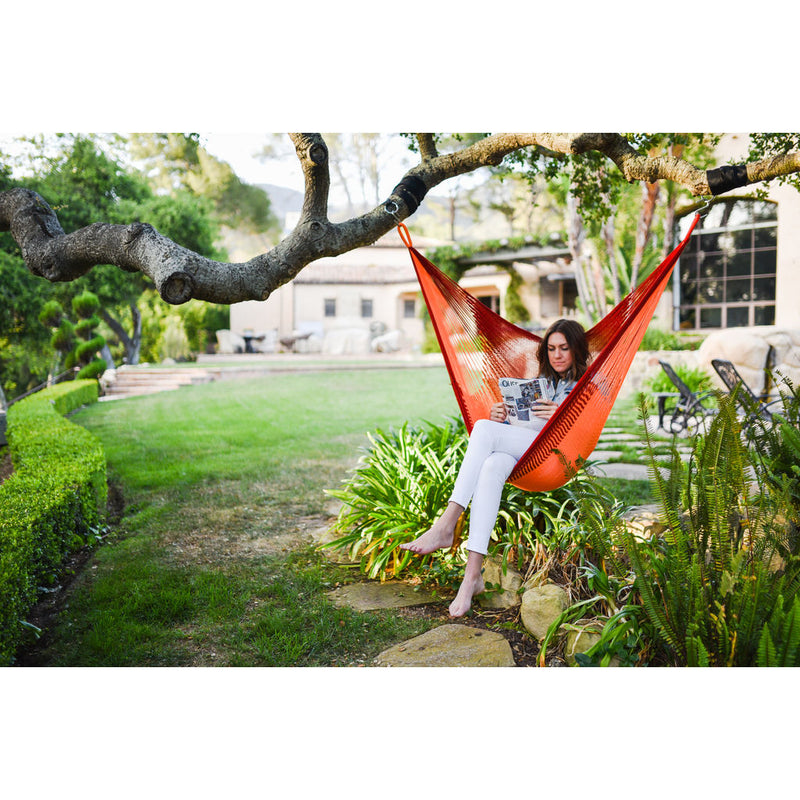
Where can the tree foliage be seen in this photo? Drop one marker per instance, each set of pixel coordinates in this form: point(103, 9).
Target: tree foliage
point(177, 162)
point(87, 182)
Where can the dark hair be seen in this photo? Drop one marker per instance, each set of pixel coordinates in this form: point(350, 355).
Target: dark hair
point(575, 335)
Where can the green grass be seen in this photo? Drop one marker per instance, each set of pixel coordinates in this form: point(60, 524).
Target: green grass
point(220, 483)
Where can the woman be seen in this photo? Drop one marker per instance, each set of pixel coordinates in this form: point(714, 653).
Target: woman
point(492, 453)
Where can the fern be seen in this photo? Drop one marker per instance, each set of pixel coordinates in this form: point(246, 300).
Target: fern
point(709, 591)
point(782, 650)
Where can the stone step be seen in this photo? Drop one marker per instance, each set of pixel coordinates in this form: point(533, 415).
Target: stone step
point(133, 381)
point(450, 646)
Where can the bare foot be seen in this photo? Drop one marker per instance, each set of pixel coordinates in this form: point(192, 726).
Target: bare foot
point(463, 599)
point(434, 539)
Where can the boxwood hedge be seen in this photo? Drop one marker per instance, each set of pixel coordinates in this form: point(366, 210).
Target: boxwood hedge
point(53, 501)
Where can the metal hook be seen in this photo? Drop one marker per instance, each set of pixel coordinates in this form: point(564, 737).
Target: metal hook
point(704, 209)
point(393, 211)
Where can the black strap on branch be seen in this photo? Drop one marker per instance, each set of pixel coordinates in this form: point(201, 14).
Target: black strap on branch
point(723, 179)
point(411, 190)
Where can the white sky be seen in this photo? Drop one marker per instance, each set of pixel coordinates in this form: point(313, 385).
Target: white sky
point(239, 149)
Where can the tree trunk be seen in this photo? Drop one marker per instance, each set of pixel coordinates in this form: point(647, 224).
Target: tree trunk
point(576, 236)
point(607, 231)
point(650, 193)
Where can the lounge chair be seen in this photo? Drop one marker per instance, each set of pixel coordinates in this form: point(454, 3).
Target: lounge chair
point(688, 412)
point(752, 407)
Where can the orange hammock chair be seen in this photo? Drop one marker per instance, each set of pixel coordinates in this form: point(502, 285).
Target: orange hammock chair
point(480, 346)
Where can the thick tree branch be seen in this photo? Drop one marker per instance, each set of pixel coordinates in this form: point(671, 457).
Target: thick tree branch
point(427, 146)
point(179, 274)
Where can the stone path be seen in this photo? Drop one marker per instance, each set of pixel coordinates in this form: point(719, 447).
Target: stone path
point(450, 646)
point(373, 596)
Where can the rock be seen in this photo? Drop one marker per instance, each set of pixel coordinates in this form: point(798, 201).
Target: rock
point(644, 522)
point(509, 582)
point(541, 606)
point(450, 646)
point(537, 579)
point(372, 595)
point(580, 639)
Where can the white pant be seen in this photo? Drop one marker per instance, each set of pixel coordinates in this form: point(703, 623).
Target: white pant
point(492, 453)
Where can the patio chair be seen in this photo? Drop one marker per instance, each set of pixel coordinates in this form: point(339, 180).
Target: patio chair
point(688, 412)
point(752, 407)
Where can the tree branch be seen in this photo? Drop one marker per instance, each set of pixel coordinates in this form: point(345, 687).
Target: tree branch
point(427, 146)
point(179, 274)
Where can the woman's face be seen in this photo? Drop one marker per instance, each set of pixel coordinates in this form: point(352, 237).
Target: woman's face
point(558, 353)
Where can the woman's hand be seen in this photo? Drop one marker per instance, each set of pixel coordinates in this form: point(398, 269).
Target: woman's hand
point(544, 409)
point(497, 413)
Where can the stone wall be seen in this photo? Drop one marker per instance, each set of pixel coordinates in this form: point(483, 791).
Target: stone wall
point(747, 348)
point(645, 366)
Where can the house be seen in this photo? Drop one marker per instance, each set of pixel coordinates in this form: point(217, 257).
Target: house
point(368, 299)
point(339, 305)
point(741, 268)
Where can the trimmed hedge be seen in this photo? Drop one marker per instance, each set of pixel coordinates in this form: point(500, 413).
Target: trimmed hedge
point(50, 504)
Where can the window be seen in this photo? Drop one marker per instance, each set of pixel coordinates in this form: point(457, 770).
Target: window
point(330, 307)
point(366, 308)
point(491, 301)
point(727, 271)
point(409, 308)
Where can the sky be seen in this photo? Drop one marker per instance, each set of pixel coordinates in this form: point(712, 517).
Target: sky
point(239, 149)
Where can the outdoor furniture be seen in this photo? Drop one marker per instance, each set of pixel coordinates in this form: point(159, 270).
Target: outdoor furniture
point(662, 399)
point(249, 338)
point(229, 342)
point(752, 407)
point(290, 342)
point(688, 413)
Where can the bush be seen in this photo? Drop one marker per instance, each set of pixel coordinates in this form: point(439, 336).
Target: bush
point(659, 339)
point(698, 380)
point(400, 487)
point(721, 587)
point(403, 483)
point(52, 503)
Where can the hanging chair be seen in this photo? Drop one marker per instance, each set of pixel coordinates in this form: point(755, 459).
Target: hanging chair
point(480, 346)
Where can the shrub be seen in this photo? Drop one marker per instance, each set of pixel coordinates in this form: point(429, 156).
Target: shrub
point(776, 445)
point(659, 339)
point(403, 483)
point(698, 380)
point(720, 587)
point(52, 503)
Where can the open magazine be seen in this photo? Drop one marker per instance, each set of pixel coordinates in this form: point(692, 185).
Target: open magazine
point(519, 395)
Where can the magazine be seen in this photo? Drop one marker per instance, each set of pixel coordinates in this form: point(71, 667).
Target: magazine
point(519, 395)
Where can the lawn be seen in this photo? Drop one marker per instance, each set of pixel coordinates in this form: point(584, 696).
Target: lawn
point(221, 484)
point(208, 562)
